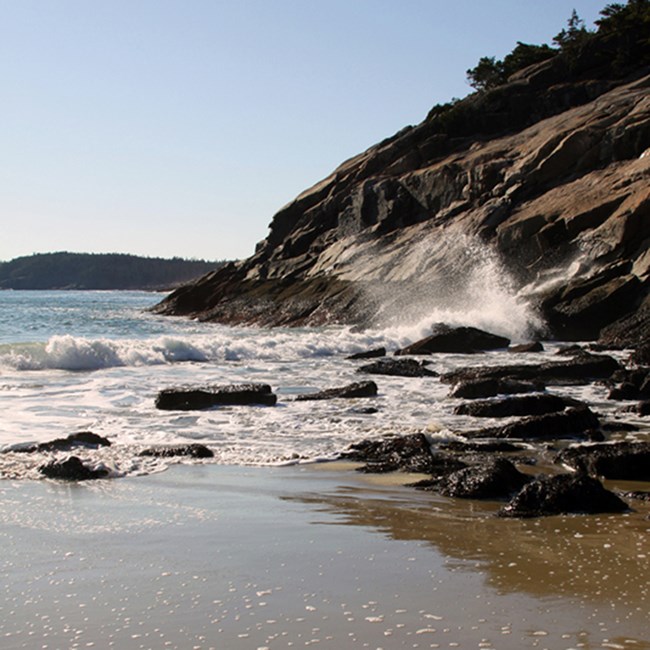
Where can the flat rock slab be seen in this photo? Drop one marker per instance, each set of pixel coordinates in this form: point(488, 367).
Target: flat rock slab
point(188, 399)
point(456, 340)
point(357, 389)
point(398, 368)
point(509, 406)
point(563, 494)
point(619, 460)
point(580, 370)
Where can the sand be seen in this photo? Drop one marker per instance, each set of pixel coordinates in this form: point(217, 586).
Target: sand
point(308, 556)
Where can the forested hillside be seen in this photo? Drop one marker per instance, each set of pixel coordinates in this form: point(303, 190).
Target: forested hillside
point(99, 271)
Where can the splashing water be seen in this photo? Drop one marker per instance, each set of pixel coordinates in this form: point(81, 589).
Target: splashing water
point(455, 280)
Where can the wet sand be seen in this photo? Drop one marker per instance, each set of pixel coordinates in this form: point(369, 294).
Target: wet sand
point(317, 556)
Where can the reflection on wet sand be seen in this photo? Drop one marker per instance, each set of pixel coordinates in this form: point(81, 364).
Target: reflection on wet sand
point(587, 561)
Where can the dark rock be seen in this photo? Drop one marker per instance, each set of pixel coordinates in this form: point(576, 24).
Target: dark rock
point(536, 346)
point(83, 439)
point(398, 368)
point(370, 354)
point(641, 355)
point(475, 388)
point(193, 450)
point(637, 494)
point(459, 340)
point(626, 391)
point(563, 494)
point(187, 399)
point(505, 407)
point(71, 469)
point(580, 370)
point(643, 408)
point(496, 479)
point(357, 389)
point(587, 305)
point(628, 461)
point(571, 423)
point(411, 453)
point(479, 447)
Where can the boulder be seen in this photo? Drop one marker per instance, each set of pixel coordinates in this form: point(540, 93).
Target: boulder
point(357, 389)
point(476, 388)
point(192, 450)
point(458, 340)
point(496, 479)
point(579, 423)
point(71, 469)
point(188, 399)
point(508, 406)
point(398, 368)
point(563, 494)
point(369, 354)
point(628, 461)
point(411, 453)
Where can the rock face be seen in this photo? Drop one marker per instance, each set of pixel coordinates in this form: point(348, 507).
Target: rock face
point(547, 174)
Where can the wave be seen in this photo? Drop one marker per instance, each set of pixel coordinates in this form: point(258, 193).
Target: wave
point(73, 353)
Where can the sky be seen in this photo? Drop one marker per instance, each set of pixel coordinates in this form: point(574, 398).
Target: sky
point(177, 128)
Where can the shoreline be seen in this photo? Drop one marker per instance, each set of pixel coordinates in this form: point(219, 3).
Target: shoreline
point(217, 556)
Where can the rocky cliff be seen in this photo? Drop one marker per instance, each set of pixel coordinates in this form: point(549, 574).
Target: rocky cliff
point(537, 191)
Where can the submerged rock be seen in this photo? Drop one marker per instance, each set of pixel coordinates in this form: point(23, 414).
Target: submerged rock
point(496, 479)
point(357, 389)
point(71, 469)
point(398, 368)
point(563, 494)
point(193, 450)
point(459, 340)
point(571, 423)
point(476, 388)
point(628, 461)
point(187, 399)
point(83, 439)
point(505, 407)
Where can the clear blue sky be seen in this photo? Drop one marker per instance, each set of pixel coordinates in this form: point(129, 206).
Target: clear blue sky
point(179, 127)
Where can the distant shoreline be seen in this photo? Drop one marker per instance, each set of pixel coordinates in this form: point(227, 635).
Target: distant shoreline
point(101, 272)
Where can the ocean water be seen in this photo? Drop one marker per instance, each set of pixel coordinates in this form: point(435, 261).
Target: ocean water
point(78, 361)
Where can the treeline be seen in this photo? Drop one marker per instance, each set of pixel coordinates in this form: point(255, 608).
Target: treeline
point(100, 271)
point(623, 31)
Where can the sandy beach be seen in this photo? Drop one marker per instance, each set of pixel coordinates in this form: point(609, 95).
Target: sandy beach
point(240, 557)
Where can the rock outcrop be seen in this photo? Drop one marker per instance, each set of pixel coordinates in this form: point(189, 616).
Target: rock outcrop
point(544, 179)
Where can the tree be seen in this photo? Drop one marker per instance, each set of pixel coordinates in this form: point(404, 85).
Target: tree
point(487, 74)
point(571, 38)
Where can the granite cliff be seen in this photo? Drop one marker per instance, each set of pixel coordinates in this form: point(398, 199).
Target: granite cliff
point(539, 187)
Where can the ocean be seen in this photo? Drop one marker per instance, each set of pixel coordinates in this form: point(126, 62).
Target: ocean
point(75, 361)
point(262, 546)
